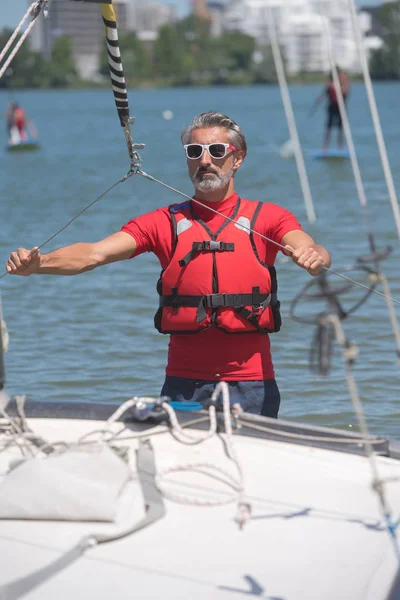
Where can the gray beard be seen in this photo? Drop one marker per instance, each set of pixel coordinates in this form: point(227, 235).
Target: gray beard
point(211, 184)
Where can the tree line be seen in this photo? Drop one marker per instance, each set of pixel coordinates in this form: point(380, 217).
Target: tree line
point(185, 53)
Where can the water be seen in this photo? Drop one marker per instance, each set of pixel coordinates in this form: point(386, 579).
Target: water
point(91, 337)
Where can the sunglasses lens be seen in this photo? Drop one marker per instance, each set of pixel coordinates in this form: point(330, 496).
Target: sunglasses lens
point(194, 150)
point(217, 150)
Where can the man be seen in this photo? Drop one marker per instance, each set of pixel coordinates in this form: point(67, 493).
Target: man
point(333, 116)
point(218, 286)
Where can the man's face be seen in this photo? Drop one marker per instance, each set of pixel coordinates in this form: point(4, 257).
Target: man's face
point(208, 173)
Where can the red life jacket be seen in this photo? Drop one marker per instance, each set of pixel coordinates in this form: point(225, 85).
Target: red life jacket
point(332, 93)
point(19, 118)
point(217, 279)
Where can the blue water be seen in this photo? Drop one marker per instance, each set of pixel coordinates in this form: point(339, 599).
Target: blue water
point(91, 337)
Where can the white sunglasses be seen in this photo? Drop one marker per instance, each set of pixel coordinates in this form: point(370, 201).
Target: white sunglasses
point(216, 150)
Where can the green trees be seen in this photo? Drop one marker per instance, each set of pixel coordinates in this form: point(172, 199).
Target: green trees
point(30, 70)
point(62, 70)
point(385, 62)
point(185, 53)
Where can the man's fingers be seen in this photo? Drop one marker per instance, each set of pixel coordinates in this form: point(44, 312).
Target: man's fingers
point(27, 256)
point(308, 258)
point(21, 260)
point(288, 250)
point(15, 260)
point(301, 256)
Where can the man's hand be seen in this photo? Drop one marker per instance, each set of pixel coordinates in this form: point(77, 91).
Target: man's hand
point(308, 258)
point(23, 262)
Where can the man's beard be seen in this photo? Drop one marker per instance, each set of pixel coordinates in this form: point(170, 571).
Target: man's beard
point(211, 183)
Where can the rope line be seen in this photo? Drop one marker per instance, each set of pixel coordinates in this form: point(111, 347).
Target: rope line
point(124, 178)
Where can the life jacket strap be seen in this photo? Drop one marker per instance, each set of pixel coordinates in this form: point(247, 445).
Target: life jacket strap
point(259, 303)
point(206, 246)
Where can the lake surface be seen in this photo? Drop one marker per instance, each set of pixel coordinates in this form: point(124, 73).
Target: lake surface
point(92, 337)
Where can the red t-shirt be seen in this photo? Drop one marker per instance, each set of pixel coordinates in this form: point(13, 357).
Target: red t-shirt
point(212, 354)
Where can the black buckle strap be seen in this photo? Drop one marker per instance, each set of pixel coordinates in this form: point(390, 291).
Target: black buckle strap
point(206, 246)
point(218, 300)
point(259, 302)
point(236, 301)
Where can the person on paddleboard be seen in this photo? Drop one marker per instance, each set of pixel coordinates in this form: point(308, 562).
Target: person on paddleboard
point(218, 288)
point(333, 116)
point(18, 124)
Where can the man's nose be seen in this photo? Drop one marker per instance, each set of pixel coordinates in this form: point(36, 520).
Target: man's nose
point(205, 158)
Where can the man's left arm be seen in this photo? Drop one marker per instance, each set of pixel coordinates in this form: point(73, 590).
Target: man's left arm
point(305, 252)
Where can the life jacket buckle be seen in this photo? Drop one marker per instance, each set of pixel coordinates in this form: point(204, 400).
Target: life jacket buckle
point(212, 245)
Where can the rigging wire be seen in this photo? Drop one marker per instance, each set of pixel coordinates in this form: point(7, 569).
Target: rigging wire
point(329, 325)
point(375, 256)
point(37, 248)
point(287, 104)
point(378, 483)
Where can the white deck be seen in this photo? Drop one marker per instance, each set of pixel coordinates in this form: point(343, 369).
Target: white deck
point(315, 533)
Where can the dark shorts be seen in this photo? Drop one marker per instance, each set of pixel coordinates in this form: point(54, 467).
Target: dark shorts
point(257, 397)
point(334, 118)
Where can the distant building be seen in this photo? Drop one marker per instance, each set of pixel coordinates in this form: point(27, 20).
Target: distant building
point(147, 18)
point(302, 27)
point(216, 11)
point(82, 22)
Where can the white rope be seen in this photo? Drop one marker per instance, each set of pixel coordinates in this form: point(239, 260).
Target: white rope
point(34, 11)
point(280, 71)
point(375, 116)
point(184, 436)
point(235, 483)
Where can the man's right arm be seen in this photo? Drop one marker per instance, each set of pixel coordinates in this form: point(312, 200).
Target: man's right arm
point(74, 259)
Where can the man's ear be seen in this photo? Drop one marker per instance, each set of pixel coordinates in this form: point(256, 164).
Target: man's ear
point(239, 158)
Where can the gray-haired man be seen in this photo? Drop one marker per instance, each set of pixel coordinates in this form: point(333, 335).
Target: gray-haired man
point(218, 289)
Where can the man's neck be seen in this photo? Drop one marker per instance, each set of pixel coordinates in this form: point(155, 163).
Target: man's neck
point(215, 196)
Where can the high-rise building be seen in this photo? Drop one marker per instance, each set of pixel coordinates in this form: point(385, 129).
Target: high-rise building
point(150, 16)
point(82, 22)
point(302, 28)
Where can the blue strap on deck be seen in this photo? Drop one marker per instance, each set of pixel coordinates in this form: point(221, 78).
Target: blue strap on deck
point(187, 406)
